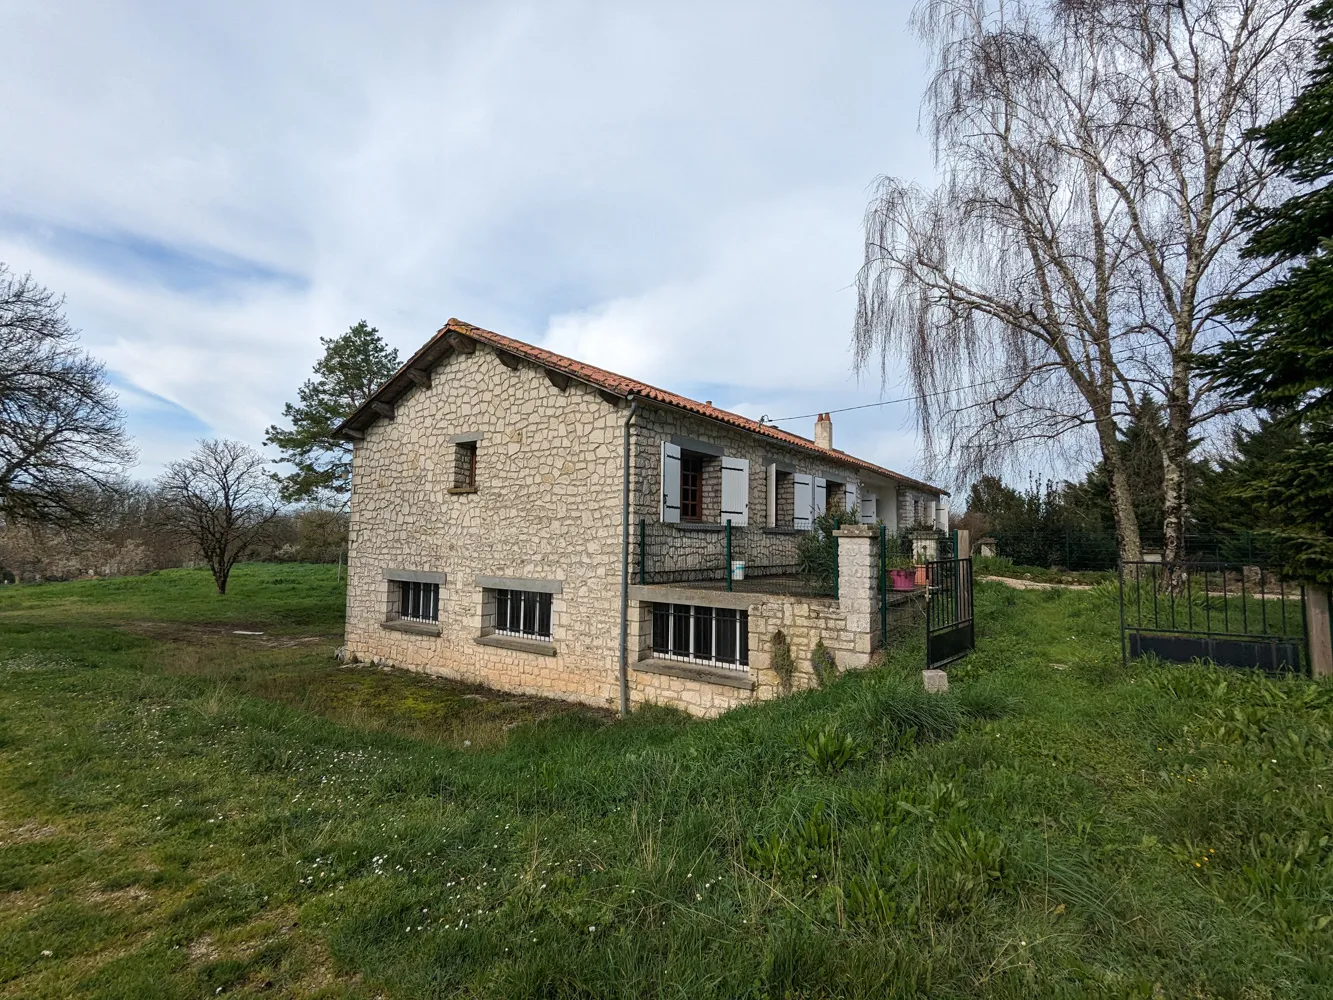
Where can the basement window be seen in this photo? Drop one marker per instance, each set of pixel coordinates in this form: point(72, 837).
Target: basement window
point(717, 637)
point(413, 601)
point(523, 614)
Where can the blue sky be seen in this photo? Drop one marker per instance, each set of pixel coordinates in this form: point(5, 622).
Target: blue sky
point(673, 191)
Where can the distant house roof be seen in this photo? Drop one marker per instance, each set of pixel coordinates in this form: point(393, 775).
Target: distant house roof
point(456, 335)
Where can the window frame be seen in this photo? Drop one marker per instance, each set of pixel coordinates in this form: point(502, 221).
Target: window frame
point(467, 450)
point(414, 595)
point(519, 607)
point(697, 634)
point(691, 496)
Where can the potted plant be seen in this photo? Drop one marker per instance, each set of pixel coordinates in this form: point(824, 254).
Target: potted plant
point(898, 565)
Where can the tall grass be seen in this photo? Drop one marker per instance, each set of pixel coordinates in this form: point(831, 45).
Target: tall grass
point(186, 814)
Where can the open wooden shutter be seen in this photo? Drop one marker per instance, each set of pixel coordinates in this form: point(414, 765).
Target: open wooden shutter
point(670, 482)
point(821, 496)
point(735, 491)
point(869, 508)
point(772, 496)
point(804, 511)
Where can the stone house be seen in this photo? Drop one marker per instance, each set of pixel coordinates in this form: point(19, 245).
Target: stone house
point(528, 522)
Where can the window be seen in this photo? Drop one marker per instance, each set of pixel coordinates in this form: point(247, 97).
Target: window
point(704, 486)
point(523, 614)
point(416, 602)
point(696, 634)
point(465, 465)
point(691, 487)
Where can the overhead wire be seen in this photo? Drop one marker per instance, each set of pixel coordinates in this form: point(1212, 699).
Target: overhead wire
point(766, 419)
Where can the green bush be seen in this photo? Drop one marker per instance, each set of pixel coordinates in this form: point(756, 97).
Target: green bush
point(817, 552)
point(783, 664)
point(824, 664)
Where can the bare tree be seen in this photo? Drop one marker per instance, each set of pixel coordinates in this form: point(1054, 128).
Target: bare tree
point(62, 438)
point(222, 499)
point(1084, 238)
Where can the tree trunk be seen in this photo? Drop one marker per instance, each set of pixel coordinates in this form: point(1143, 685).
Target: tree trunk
point(1175, 461)
point(1122, 500)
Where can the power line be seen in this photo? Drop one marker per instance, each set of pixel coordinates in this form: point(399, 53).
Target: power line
point(766, 419)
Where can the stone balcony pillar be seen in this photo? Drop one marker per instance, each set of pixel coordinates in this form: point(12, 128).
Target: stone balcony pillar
point(858, 587)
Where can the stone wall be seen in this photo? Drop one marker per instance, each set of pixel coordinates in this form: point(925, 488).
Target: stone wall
point(673, 553)
point(546, 507)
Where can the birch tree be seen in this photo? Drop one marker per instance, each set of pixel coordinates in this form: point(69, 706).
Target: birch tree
point(1077, 253)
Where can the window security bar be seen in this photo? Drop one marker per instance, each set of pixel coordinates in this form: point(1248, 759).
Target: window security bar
point(416, 602)
point(717, 637)
point(523, 614)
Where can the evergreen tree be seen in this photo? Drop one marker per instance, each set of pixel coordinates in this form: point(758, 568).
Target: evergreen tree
point(354, 365)
point(1284, 363)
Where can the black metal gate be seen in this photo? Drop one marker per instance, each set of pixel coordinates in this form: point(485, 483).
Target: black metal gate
point(1236, 616)
point(949, 629)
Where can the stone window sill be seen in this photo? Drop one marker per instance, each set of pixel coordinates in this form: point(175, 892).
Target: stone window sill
point(697, 672)
point(462, 489)
point(415, 628)
point(522, 645)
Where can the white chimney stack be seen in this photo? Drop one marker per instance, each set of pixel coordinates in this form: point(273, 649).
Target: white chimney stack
point(824, 432)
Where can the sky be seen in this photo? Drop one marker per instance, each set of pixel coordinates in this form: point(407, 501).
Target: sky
point(673, 191)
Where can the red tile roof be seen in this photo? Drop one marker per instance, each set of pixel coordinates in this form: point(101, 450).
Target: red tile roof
point(438, 346)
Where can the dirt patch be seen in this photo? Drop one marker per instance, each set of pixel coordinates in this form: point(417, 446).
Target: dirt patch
point(203, 950)
point(242, 634)
point(1009, 581)
point(27, 832)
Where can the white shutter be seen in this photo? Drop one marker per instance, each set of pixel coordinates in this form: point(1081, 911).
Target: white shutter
point(735, 491)
point(772, 496)
point(869, 508)
point(804, 508)
point(942, 515)
point(852, 497)
point(670, 482)
point(821, 496)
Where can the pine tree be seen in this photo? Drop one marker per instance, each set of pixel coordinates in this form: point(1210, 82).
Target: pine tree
point(1284, 363)
point(354, 365)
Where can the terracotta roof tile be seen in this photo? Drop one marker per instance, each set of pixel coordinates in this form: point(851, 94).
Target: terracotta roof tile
point(600, 378)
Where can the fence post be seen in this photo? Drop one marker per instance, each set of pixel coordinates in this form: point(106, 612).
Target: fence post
point(1318, 632)
point(883, 588)
point(728, 553)
point(856, 593)
point(836, 570)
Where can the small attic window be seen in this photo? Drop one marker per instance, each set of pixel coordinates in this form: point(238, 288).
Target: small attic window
point(465, 466)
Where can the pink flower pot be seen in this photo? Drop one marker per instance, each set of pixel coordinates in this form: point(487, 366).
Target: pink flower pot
point(900, 579)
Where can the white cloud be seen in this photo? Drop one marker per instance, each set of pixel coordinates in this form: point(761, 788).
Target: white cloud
point(669, 190)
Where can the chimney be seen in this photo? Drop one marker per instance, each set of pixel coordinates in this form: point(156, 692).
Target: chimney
point(824, 432)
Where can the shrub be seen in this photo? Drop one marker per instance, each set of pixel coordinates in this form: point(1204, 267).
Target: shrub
point(824, 664)
point(817, 553)
point(783, 664)
point(830, 751)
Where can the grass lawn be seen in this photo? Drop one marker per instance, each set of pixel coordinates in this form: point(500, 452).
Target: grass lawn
point(186, 811)
point(1003, 567)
